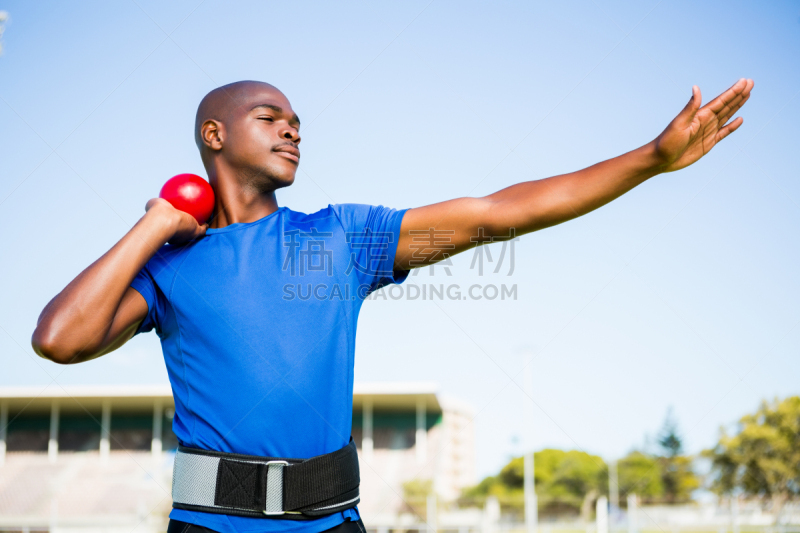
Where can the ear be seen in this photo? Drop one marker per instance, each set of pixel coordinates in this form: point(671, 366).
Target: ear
point(212, 133)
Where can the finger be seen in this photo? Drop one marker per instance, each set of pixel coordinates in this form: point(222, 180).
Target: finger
point(730, 128)
point(150, 203)
point(688, 112)
point(730, 108)
point(200, 231)
point(726, 115)
point(747, 89)
point(719, 102)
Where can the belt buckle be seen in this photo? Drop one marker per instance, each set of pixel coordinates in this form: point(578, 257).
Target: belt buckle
point(277, 483)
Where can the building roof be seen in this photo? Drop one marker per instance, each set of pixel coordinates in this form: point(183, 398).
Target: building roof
point(384, 395)
point(397, 395)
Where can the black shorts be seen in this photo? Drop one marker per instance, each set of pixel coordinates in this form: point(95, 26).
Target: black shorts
point(176, 526)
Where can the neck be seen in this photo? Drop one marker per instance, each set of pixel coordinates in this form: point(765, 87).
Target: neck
point(237, 200)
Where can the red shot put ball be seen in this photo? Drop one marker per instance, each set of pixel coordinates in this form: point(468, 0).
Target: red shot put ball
point(191, 194)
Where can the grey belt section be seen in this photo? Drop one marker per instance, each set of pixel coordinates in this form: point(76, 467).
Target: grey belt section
point(194, 482)
point(255, 486)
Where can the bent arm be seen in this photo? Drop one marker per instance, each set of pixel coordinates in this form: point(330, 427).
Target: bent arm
point(98, 311)
point(431, 233)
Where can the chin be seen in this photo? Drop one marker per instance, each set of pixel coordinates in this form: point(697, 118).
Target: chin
point(281, 182)
point(280, 172)
point(272, 177)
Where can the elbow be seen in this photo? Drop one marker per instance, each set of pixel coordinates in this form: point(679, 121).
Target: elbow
point(47, 345)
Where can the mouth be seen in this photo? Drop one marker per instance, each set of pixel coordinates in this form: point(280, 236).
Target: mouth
point(289, 152)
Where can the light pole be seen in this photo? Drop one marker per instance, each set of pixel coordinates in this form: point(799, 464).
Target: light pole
point(613, 486)
point(531, 505)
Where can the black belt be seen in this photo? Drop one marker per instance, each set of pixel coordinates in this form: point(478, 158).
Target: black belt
point(265, 487)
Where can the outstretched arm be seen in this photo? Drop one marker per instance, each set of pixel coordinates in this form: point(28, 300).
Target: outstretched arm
point(534, 205)
point(99, 311)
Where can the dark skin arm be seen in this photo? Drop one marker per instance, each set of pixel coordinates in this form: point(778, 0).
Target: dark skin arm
point(535, 205)
point(99, 311)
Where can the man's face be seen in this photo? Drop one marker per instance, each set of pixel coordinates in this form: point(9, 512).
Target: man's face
point(262, 139)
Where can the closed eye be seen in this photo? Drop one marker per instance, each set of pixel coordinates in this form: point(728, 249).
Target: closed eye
point(270, 119)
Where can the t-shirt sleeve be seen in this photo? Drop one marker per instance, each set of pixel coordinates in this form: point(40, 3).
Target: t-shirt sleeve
point(372, 233)
point(144, 284)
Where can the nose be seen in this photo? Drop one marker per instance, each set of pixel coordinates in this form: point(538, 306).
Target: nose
point(291, 133)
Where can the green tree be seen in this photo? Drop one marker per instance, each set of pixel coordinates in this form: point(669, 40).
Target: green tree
point(663, 477)
point(677, 475)
point(640, 474)
point(415, 495)
point(566, 482)
point(763, 457)
point(669, 439)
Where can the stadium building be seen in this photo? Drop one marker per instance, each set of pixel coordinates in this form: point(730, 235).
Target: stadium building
point(99, 458)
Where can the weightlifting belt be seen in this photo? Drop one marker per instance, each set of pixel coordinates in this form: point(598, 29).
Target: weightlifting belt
point(265, 487)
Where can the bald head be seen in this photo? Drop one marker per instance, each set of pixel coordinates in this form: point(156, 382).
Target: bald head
point(248, 128)
point(221, 103)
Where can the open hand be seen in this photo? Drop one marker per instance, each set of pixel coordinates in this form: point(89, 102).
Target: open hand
point(183, 226)
point(695, 131)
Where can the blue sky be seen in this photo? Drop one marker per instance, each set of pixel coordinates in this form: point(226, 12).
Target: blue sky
point(683, 293)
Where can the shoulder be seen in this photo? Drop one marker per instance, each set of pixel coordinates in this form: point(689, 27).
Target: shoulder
point(167, 258)
point(354, 217)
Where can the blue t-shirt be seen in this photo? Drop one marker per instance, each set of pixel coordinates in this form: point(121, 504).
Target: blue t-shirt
point(257, 323)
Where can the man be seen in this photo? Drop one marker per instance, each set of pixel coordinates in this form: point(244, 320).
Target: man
point(260, 368)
